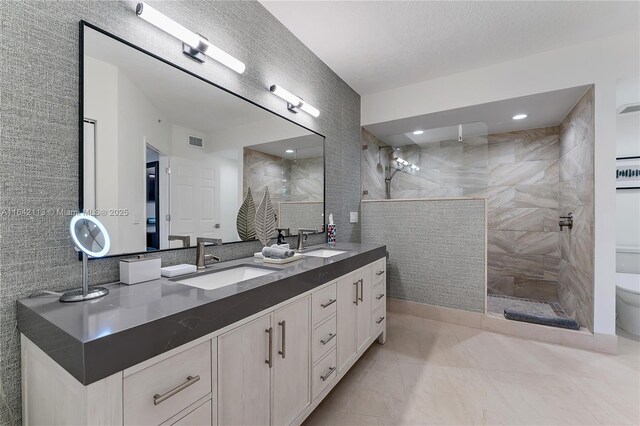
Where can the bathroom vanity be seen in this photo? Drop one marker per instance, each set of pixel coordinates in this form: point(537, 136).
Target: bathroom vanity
point(262, 351)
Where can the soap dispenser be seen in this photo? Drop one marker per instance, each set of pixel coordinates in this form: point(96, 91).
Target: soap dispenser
point(331, 231)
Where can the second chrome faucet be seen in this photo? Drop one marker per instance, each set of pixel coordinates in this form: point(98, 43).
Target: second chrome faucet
point(201, 258)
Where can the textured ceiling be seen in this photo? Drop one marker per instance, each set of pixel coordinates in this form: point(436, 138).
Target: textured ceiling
point(379, 45)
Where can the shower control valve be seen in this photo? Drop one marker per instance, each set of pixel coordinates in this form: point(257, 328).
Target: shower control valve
point(566, 221)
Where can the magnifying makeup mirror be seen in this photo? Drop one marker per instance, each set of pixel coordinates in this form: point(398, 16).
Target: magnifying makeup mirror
point(91, 238)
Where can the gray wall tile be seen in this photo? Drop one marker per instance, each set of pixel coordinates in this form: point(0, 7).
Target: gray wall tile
point(447, 267)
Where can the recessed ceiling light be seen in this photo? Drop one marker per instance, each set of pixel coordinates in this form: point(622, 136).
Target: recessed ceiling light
point(289, 151)
point(418, 132)
point(519, 116)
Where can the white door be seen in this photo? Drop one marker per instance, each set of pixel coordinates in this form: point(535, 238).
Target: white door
point(363, 333)
point(346, 314)
point(244, 378)
point(194, 199)
point(291, 390)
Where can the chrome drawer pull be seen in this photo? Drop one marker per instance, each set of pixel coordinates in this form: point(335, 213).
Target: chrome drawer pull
point(328, 339)
point(269, 361)
point(380, 296)
point(329, 303)
point(157, 398)
point(380, 272)
point(361, 289)
point(380, 320)
point(326, 376)
point(356, 284)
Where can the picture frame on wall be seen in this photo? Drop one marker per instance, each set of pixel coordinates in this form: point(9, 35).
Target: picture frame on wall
point(628, 173)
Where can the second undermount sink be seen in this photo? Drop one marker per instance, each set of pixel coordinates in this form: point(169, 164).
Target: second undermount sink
point(324, 253)
point(225, 277)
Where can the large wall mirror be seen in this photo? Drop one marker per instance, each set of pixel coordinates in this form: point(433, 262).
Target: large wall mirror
point(169, 157)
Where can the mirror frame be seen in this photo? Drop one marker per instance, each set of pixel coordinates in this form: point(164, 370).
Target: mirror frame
point(84, 24)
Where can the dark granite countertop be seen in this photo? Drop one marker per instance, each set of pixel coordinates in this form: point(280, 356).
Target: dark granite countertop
point(94, 339)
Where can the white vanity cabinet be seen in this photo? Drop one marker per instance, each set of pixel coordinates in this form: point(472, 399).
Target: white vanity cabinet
point(244, 379)
point(272, 349)
point(272, 368)
point(291, 390)
point(354, 314)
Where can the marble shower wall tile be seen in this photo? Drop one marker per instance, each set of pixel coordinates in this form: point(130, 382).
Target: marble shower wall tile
point(547, 243)
point(516, 219)
point(516, 265)
point(575, 289)
point(374, 161)
point(538, 148)
point(536, 289)
point(525, 173)
point(519, 174)
point(545, 196)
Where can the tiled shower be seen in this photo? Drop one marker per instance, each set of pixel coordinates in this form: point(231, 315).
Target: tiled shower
point(529, 178)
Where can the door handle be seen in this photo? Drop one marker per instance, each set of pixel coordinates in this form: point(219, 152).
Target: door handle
point(356, 284)
point(380, 320)
point(283, 324)
point(157, 398)
point(269, 361)
point(361, 289)
point(380, 296)
point(380, 272)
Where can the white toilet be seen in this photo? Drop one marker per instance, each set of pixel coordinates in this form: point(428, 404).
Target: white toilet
point(628, 302)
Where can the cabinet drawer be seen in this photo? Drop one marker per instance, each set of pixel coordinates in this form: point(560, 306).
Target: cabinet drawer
point(323, 303)
point(199, 417)
point(323, 373)
point(324, 338)
point(378, 318)
point(379, 268)
point(378, 294)
point(161, 390)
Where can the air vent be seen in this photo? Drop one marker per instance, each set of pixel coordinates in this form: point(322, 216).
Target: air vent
point(196, 142)
point(629, 108)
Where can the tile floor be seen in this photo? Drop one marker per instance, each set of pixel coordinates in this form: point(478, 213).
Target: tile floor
point(431, 372)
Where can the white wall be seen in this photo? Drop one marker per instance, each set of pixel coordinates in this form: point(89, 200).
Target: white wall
point(139, 123)
point(628, 145)
point(101, 105)
point(601, 62)
point(257, 132)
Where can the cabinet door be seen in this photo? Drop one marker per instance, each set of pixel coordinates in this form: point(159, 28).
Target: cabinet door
point(291, 389)
point(347, 310)
point(244, 378)
point(365, 286)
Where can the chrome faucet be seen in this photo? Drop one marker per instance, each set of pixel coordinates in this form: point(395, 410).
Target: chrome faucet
point(201, 258)
point(302, 236)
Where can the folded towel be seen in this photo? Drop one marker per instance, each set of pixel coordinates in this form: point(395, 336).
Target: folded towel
point(281, 246)
point(277, 253)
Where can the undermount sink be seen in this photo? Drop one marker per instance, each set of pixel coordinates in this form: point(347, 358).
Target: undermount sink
point(323, 253)
point(225, 277)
